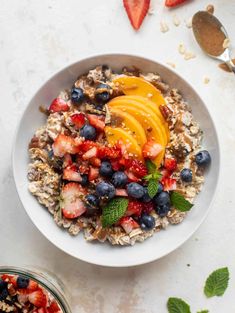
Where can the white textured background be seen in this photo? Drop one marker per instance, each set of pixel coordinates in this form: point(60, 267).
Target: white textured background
point(37, 38)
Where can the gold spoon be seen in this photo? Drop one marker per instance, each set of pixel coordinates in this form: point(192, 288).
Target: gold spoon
point(211, 37)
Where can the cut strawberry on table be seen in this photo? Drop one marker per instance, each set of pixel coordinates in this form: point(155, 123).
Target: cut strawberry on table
point(71, 203)
point(136, 11)
point(58, 105)
point(173, 3)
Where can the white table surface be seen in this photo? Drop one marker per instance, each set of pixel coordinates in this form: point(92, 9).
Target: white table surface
point(37, 38)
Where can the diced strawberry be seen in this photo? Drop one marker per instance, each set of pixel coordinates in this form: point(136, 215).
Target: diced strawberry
point(136, 167)
point(32, 286)
point(136, 11)
point(93, 173)
point(95, 162)
point(165, 173)
point(54, 307)
point(78, 119)
point(67, 160)
point(92, 153)
point(147, 207)
point(71, 173)
point(58, 105)
point(71, 204)
point(84, 169)
point(168, 183)
point(96, 121)
point(128, 224)
point(121, 193)
point(151, 149)
point(64, 144)
point(87, 145)
point(10, 278)
point(170, 164)
point(109, 153)
point(173, 3)
point(131, 176)
point(42, 310)
point(134, 208)
point(116, 165)
point(37, 298)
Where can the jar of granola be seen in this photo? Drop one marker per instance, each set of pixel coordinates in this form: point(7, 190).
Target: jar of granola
point(31, 290)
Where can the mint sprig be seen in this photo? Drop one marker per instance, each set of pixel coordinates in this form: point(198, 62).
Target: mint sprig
point(113, 211)
point(179, 202)
point(152, 178)
point(217, 282)
point(177, 305)
point(151, 167)
point(152, 187)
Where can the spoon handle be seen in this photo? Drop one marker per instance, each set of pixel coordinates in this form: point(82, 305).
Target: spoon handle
point(231, 65)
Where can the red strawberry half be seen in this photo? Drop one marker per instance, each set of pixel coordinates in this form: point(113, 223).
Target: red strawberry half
point(72, 205)
point(71, 173)
point(96, 121)
point(136, 11)
point(64, 144)
point(58, 105)
point(128, 224)
point(151, 149)
point(173, 3)
point(78, 119)
point(37, 298)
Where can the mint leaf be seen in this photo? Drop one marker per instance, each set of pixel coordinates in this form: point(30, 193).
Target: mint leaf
point(203, 311)
point(177, 305)
point(217, 282)
point(151, 167)
point(152, 187)
point(157, 175)
point(113, 211)
point(148, 177)
point(179, 202)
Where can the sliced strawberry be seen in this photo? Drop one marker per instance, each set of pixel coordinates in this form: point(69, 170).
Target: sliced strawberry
point(64, 144)
point(128, 224)
point(32, 286)
point(96, 121)
point(37, 298)
point(134, 208)
point(54, 307)
point(116, 165)
point(109, 153)
point(131, 176)
point(136, 167)
point(147, 207)
point(78, 119)
point(67, 160)
point(92, 153)
point(58, 105)
point(84, 169)
point(93, 173)
point(95, 162)
point(170, 164)
point(151, 149)
point(168, 183)
point(71, 173)
point(71, 204)
point(87, 145)
point(121, 193)
point(173, 3)
point(10, 278)
point(136, 11)
point(23, 298)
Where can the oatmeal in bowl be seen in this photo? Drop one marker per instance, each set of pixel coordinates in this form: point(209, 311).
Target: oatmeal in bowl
point(119, 158)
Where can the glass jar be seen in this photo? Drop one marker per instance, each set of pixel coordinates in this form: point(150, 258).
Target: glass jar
point(48, 281)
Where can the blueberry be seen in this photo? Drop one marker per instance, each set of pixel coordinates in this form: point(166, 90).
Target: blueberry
point(186, 175)
point(92, 204)
point(22, 282)
point(203, 158)
point(3, 285)
point(147, 222)
point(84, 181)
point(119, 179)
point(161, 198)
point(106, 169)
point(103, 93)
point(88, 132)
point(105, 190)
point(146, 198)
point(3, 294)
point(135, 190)
point(77, 95)
point(162, 210)
point(160, 188)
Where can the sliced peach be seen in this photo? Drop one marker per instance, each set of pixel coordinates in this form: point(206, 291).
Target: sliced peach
point(140, 112)
point(132, 85)
point(113, 135)
point(127, 122)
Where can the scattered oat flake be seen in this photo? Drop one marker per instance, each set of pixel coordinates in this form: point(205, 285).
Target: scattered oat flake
point(206, 80)
point(210, 8)
point(189, 55)
point(181, 48)
point(176, 20)
point(226, 43)
point(188, 22)
point(171, 64)
point(164, 27)
point(151, 11)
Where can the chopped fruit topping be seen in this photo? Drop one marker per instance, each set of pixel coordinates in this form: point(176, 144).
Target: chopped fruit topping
point(109, 153)
point(53, 308)
point(131, 176)
point(163, 210)
point(102, 94)
point(92, 153)
point(71, 203)
point(58, 105)
point(203, 158)
point(67, 160)
point(148, 207)
point(106, 169)
point(170, 164)
point(168, 183)
point(78, 119)
point(37, 298)
point(95, 162)
point(88, 132)
point(71, 173)
point(173, 3)
point(86, 145)
point(186, 175)
point(147, 222)
point(83, 168)
point(128, 224)
point(22, 282)
point(64, 144)
point(119, 179)
point(134, 208)
point(32, 285)
point(105, 190)
point(136, 167)
point(96, 121)
point(121, 193)
point(136, 11)
point(93, 173)
point(135, 190)
point(77, 95)
point(151, 150)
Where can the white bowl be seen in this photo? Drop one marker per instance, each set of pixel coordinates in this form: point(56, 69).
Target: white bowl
point(161, 243)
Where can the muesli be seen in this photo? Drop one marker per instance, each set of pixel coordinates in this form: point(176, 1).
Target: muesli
point(118, 158)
